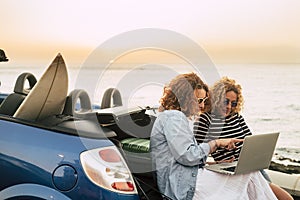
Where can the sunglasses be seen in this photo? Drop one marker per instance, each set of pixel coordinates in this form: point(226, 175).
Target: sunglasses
point(233, 103)
point(202, 100)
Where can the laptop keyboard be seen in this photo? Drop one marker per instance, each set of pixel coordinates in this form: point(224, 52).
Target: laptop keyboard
point(231, 169)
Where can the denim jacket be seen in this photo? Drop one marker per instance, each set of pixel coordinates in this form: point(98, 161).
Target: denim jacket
point(176, 156)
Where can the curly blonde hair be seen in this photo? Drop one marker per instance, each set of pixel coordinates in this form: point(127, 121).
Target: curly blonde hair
point(179, 94)
point(219, 90)
point(207, 104)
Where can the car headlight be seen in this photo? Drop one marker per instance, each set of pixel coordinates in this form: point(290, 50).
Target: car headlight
point(106, 168)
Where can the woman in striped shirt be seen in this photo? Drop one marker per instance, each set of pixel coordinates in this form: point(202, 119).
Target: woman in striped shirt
point(222, 119)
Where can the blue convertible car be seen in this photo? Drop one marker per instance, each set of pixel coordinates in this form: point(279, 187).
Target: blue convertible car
point(55, 145)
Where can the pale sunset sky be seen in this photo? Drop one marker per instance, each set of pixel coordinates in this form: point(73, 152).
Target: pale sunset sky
point(232, 31)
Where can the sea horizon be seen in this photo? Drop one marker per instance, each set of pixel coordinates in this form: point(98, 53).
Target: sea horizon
point(271, 93)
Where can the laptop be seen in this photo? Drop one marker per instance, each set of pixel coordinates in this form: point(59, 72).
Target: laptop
point(256, 153)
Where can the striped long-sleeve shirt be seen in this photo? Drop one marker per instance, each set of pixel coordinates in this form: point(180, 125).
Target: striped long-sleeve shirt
point(209, 127)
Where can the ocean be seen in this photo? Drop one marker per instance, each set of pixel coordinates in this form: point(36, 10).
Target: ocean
point(271, 93)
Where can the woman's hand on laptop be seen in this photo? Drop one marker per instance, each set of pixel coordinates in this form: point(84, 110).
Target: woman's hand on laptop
point(229, 143)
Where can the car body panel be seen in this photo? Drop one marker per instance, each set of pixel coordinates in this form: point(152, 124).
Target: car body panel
point(31, 155)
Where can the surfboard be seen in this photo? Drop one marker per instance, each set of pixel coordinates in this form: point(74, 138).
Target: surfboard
point(48, 96)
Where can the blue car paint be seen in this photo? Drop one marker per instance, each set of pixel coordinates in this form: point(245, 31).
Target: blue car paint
point(32, 190)
point(30, 155)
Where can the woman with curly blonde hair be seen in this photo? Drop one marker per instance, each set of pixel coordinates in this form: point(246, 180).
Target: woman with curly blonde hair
point(223, 120)
point(171, 101)
point(219, 92)
point(177, 158)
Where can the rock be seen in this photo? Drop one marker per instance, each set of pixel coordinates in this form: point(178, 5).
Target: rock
point(289, 169)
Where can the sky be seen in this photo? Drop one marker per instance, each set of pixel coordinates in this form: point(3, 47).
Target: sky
point(232, 31)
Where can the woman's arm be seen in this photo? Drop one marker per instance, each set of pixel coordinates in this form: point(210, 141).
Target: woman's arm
point(201, 126)
point(182, 143)
point(244, 126)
